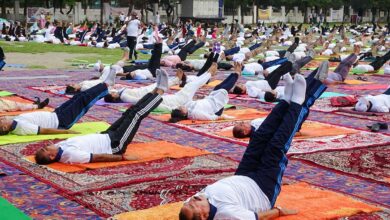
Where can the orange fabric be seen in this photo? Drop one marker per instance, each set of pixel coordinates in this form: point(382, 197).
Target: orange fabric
point(210, 84)
point(309, 130)
point(356, 82)
point(21, 100)
point(238, 114)
point(311, 203)
point(162, 212)
point(144, 151)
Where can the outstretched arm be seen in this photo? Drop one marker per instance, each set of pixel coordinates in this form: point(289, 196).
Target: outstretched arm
point(111, 158)
point(55, 131)
point(275, 212)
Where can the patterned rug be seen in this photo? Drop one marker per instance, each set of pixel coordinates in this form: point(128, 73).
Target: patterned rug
point(19, 189)
point(372, 163)
point(198, 172)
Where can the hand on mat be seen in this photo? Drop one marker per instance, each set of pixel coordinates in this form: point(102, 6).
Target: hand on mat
point(72, 132)
point(284, 212)
point(227, 117)
point(130, 157)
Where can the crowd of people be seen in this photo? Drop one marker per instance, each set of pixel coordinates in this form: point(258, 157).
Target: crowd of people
point(251, 193)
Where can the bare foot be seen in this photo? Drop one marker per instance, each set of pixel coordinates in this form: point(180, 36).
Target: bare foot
point(213, 69)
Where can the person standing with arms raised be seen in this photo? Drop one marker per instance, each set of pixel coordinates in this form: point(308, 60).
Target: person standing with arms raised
point(132, 33)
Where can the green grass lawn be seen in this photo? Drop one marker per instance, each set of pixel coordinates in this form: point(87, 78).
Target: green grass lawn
point(89, 54)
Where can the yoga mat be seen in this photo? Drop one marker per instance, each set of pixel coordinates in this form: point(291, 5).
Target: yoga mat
point(356, 82)
point(331, 94)
point(314, 203)
point(311, 203)
point(238, 114)
point(213, 84)
point(158, 111)
point(83, 128)
point(21, 100)
point(10, 212)
point(365, 87)
point(144, 151)
point(309, 130)
point(13, 65)
point(351, 111)
point(6, 93)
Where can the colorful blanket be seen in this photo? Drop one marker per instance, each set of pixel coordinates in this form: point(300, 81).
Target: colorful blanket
point(143, 151)
point(371, 163)
point(82, 128)
point(238, 114)
point(311, 203)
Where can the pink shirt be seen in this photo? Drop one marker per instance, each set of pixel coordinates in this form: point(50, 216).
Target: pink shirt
point(171, 60)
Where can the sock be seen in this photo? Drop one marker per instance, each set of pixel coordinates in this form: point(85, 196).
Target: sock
point(322, 72)
point(163, 81)
point(110, 80)
point(288, 90)
point(299, 89)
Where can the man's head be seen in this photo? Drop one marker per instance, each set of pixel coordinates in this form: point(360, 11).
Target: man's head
point(5, 125)
point(195, 208)
point(179, 114)
point(242, 130)
point(46, 155)
point(72, 89)
point(112, 97)
point(184, 66)
point(363, 105)
point(98, 66)
point(270, 96)
point(239, 89)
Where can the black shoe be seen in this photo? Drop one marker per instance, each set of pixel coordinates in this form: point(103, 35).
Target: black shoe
point(43, 104)
point(37, 101)
point(378, 126)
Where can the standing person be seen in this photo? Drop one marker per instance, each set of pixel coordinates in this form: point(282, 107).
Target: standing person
point(122, 18)
point(157, 18)
point(110, 19)
point(132, 33)
point(42, 20)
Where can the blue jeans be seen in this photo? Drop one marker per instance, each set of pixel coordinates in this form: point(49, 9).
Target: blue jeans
point(76, 107)
point(265, 158)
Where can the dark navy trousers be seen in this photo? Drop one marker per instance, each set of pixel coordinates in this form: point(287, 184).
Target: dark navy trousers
point(76, 107)
point(265, 158)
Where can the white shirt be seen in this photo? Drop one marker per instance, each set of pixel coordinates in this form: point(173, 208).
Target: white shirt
point(257, 122)
point(81, 149)
point(142, 74)
point(380, 103)
point(132, 28)
point(237, 198)
point(387, 69)
point(122, 17)
point(364, 68)
point(30, 123)
point(257, 89)
point(253, 68)
point(197, 64)
point(238, 57)
point(205, 109)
